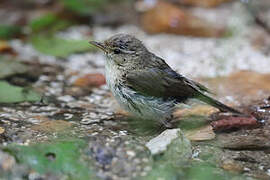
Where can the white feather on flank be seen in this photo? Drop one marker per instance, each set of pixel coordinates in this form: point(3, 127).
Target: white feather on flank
point(145, 107)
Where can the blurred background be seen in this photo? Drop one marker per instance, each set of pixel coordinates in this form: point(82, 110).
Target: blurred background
point(198, 38)
point(219, 36)
point(45, 58)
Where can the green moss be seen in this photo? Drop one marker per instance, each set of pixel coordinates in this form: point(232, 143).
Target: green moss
point(9, 31)
point(84, 7)
point(9, 66)
point(14, 94)
point(59, 47)
point(163, 171)
point(63, 157)
point(49, 22)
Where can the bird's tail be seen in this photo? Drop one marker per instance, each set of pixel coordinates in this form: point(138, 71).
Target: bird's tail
point(222, 107)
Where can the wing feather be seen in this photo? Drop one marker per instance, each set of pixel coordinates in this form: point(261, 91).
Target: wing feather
point(164, 83)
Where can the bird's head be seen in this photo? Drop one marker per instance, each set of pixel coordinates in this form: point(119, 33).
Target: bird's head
point(122, 49)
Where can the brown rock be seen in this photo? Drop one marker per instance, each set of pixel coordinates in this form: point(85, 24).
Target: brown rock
point(232, 122)
point(231, 165)
point(2, 130)
point(90, 80)
point(5, 47)
point(168, 18)
point(243, 87)
point(244, 142)
point(203, 3)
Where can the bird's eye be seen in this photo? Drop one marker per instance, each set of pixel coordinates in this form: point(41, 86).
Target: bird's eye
point(117, 51)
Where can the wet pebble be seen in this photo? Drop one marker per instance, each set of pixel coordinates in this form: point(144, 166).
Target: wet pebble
point(66, 98)
point(7, 162)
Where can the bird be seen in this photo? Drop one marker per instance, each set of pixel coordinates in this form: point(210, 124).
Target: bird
point(145, 85)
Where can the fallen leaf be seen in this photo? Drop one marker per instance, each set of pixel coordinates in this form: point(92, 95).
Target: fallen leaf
point(59, 47)
point(200, 110)
point(165, 17)
point(200, 134)
point(14, 94)
point(51, 126)
point(90, 80)
point(202, 3)
point(10, 67)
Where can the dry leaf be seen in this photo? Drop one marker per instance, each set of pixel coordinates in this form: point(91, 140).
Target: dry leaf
point(200, 110)
point(201, 134)
point(51, 126)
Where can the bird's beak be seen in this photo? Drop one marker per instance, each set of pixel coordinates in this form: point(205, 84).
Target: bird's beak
point(99, 45)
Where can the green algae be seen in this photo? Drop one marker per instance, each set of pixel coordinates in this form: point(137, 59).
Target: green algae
point(61, 158)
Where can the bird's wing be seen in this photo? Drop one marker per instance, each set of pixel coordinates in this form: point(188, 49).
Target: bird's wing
point(164, 83)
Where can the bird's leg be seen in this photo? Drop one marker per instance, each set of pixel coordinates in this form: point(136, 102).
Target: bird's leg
point(167, 122)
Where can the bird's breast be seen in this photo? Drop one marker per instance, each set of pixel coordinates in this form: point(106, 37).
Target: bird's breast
point(139, 105)
point(112, 74)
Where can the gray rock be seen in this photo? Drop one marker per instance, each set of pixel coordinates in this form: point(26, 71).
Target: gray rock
point(161, 142)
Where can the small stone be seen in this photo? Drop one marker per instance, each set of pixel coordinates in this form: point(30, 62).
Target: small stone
point(4, 47)
point(131, 153)
point(6, 161)
point(34, 176)
point(2, 130)
point(268, 172)
point(246, 169)
point(148, 168)
point(87, 121)
point(68, 116)
point(66, 98)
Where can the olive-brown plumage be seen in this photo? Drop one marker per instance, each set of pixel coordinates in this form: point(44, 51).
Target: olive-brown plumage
point(144, 84)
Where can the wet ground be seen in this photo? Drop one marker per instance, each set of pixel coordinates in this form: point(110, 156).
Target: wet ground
point(74, 129)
